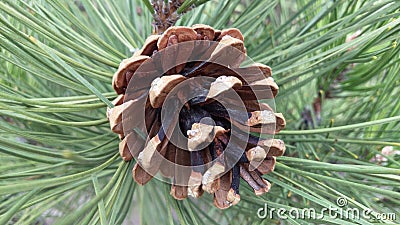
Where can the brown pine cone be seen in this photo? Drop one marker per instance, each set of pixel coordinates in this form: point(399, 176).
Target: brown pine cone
point(188, 109)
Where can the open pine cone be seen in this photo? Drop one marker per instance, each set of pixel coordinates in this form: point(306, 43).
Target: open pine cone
point(188, 110)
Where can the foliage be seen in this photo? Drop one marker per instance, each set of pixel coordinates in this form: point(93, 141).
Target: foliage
point(59, 160)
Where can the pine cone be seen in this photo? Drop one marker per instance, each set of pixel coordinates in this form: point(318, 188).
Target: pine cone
point(188, 110)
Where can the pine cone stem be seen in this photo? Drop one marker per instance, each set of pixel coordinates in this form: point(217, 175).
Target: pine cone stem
point(166, 13)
